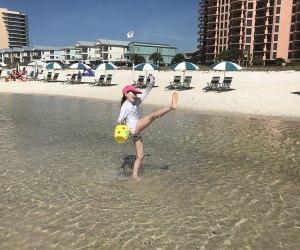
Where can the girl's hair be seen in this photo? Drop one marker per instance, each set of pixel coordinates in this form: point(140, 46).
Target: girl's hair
point(123, 99)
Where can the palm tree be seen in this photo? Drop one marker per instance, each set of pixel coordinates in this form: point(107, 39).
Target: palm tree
point(137, 59)
point(156, 58)
point(178, 58)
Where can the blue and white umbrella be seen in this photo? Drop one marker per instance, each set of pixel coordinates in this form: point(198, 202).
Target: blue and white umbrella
point(184, 66)
point(79, 66)
point(2, 65)
point(146, 67)
point(225, 66)
point(105, 66)
point(54, 65)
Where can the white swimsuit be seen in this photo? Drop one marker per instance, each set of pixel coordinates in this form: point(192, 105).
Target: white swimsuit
point(129, 109)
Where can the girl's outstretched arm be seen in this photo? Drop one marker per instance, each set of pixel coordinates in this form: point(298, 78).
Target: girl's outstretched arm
point(148, 89)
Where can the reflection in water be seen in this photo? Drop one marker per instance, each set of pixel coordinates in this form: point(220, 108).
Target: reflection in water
point(208, 182)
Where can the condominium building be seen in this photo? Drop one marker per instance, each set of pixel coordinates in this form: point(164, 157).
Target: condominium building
point(13, 29)
point(265, 29)
point(145, 50)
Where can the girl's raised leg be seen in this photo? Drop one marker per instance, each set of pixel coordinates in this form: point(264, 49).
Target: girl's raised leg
point(147, 120)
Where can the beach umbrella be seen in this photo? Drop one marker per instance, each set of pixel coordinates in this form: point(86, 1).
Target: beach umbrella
point(18, 68)
point(88, 72)
point(35, 67)
point(37, 63)
point(3, 65)
point(79, 66)
point(105, 66)
point(54, 65)
point(225, 66)
point(184, 66)
point(146, 67)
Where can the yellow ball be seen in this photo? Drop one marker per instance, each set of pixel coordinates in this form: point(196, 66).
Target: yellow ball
point(121, 133)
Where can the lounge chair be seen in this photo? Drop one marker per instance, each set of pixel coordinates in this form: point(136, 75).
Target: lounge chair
point(176, 84)
point(79, 79)
point(140, 81)
point(30, 76)
point(47, 78)
point(99, 82)
point(72, 80)
point(186, 84)
point(108, 80)
point(54, 79)
point(213, 84)
point(225, 85)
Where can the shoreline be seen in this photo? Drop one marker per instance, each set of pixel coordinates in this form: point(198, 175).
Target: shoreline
point(201, 112)
point(262, 95)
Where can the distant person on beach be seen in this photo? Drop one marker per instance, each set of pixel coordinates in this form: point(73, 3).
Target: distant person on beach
point(131, 100)
point(11, 75)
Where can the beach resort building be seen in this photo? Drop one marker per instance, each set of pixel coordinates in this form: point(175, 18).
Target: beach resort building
point(265, 29)
point(13, 29)
point(102, 50)
point(25, 55)
point(147, 49)
point(112, 51)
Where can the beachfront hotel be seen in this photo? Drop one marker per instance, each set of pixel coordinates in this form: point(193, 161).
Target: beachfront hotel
point(265, 29)
point(13, 29)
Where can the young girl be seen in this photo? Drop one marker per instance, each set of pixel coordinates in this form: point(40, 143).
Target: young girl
point(131, 100)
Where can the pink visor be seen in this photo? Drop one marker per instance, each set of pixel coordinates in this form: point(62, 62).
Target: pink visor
point(131, 88)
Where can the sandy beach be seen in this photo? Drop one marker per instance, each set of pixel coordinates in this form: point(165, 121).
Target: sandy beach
point(255, 93)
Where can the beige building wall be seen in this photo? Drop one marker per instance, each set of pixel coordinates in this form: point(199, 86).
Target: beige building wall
point(3, 31)
point(260, 27)
point(284, 29)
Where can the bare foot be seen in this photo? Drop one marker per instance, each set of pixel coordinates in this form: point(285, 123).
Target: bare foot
point(174, 100)
point(136, 178)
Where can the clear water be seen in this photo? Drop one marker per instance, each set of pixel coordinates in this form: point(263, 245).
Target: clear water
point(208, 182)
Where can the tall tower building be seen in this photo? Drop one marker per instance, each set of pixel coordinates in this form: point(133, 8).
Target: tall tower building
point(266, 29)
point(13, 29)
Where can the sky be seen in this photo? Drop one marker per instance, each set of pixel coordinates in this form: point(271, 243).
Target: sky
point(64, 22)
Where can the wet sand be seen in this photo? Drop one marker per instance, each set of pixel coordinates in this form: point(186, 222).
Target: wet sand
point(208, 182)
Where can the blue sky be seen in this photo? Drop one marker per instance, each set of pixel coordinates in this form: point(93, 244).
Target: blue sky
point(64, 22)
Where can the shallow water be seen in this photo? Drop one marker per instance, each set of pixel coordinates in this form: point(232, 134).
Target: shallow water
point(208, 182)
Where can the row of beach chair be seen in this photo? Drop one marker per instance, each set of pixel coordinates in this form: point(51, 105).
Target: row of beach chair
point(217, 86)
point(176, 84)
point(77, 79)
point(103, 81)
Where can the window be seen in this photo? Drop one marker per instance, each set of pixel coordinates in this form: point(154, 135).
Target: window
point(276, 28)
point(249, 22)
point(274, 55)
point(277, 19)
point(249, 14)
point(278, 2)
point(275, 46)
point(278, 10)
point(247, 47)
point(248, 31)
point(275, 37)
point(250, 6)
point(248, 39)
